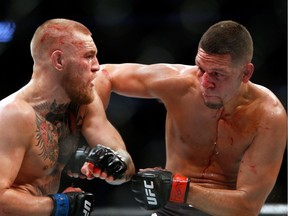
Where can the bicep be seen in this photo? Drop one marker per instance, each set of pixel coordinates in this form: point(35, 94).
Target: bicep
point(130, 79)
point(11, 159)
point(146, 81)
point(262, 161)
point(12, 148)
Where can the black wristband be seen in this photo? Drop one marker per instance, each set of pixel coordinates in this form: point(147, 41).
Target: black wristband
point(61, 204)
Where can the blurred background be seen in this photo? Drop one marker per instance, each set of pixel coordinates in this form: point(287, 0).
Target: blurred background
point(146, 31)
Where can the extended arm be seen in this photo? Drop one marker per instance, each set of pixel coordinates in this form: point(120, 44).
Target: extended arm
point(147, 81)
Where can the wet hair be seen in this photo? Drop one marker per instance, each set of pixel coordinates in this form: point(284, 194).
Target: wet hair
point(228, 37)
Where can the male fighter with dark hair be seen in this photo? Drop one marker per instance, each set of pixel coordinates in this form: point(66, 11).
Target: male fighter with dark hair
point(225, 135)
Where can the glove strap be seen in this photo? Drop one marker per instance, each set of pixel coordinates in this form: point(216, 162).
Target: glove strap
point(61, 205)
point(179, 189)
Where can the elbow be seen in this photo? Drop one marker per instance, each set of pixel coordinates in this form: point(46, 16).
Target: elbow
point(249, 208)
point(248, 212)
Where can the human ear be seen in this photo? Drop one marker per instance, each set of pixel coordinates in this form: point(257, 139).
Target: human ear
point(57, 60)
point(247, 73)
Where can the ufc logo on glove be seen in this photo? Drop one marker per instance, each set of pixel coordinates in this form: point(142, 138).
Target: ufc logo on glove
point(87, 208)
point(151, 198)
point(154, 188)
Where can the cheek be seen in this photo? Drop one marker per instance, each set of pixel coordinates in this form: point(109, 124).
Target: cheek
point(231, 89)
point(80, 72)
point(79, 66)
point(85, 70)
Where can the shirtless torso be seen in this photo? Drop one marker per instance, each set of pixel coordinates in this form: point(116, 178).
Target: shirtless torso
point(225, 133)
point(208, 145)
point(53, 135)
point(225, 151)
point(40, 126)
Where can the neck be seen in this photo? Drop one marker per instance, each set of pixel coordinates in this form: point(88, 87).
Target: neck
point(52, 112)
point(39, 92)
point(238, 100)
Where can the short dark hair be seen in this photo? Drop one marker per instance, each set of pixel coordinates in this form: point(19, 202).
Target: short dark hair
point(228, 37)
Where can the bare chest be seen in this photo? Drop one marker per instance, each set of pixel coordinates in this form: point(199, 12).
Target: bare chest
point(54, 143)
point(207, 145)
point(50, 149)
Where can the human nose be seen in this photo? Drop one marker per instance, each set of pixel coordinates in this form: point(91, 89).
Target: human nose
point(206, 81)
point(95, 66)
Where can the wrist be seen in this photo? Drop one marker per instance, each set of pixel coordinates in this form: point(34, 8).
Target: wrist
point(179, 189)
point(61, 204)
point(126, 158)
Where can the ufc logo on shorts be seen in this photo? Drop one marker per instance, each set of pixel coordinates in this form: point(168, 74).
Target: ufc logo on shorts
point(87, 208)
point(151, 198)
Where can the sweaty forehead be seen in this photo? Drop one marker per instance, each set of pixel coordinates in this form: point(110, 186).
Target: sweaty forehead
point(203, 58)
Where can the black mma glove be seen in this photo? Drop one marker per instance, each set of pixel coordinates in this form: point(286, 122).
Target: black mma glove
point(153, 188)
point(107, 161)
point(77, 160)
point(101, 157)
point(72, 204)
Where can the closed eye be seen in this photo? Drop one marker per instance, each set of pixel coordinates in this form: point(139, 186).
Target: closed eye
point(201, 70)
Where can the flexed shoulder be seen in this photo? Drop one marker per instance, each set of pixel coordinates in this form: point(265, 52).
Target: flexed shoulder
point(14, 106)
point(17, 119)
point(177, 80)
point(270, 100)
point(273, 111)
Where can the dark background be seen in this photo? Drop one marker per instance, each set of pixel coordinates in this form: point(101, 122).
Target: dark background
point(149, 31)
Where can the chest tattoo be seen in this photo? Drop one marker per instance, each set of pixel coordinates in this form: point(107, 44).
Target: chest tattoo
point(56, 125)
point(47, 139)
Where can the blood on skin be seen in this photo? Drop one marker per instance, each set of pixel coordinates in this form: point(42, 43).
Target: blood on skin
point(253, 169)
point(92, 167)
point(105, 72)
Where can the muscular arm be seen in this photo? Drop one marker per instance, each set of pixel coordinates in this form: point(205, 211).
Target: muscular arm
point(148, 81)
point(103, 87)
point(15, 136)
point(97, 129)
point(257, 174)
point(261, 163)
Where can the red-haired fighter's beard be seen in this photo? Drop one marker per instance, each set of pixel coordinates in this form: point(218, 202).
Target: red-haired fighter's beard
point(79, 92)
